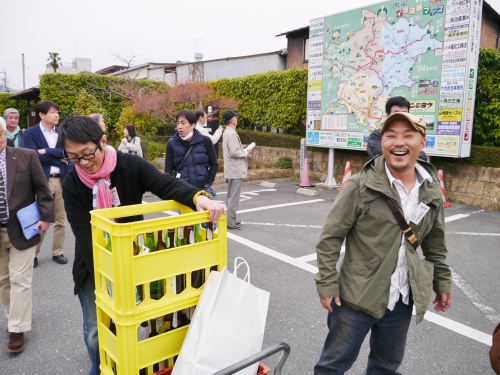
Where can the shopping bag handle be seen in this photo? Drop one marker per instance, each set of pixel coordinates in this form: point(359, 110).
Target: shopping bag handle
point(239, 261)
point(259, 356)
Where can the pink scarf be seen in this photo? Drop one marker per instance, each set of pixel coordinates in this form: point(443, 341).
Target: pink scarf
point(99, 181)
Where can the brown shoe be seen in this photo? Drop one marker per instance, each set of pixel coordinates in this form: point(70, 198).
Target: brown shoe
point(16, 342)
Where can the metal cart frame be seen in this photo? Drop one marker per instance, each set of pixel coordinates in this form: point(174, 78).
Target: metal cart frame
point(259, 356)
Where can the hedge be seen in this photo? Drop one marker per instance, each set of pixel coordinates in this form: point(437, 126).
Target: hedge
point(20, 105)
point(64, 89)
point(276, 99)
point(486, 129)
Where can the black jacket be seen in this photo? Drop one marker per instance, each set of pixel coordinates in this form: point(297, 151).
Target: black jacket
point(374, 147)
point(132, 177)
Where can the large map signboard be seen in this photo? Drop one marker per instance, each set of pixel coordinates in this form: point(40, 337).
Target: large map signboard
point(424, 50)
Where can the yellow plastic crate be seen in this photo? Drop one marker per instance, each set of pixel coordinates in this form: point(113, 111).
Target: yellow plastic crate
point(123, 271)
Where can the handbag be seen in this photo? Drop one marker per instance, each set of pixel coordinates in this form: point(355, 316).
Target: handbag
point(227, 326)
point(28, 217)
point(495, 350)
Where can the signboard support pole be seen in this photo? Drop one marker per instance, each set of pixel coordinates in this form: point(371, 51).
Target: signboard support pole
point(303, 155)
point(330, 180)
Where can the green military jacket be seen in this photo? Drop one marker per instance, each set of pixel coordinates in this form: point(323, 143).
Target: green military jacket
point(361, 216)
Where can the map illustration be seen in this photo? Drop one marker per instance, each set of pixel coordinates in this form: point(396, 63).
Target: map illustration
point(374, 61)
point(423, 50)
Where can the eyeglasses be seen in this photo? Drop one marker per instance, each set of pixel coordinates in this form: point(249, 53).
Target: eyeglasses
point(84, 157)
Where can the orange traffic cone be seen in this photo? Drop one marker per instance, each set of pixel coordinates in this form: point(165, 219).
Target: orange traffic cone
point(347, 175)
point(443, 191)
point(304, 181)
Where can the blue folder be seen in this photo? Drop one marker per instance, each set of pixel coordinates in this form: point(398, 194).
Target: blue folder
point(28, 218)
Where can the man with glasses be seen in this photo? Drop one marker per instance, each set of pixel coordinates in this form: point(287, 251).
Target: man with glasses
point(101, 172)
point(43, 139)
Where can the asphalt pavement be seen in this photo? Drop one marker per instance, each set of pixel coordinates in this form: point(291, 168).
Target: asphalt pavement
point(279, 232)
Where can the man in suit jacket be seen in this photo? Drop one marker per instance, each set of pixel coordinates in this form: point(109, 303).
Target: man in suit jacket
point(43, 139)
point(19, 168)
point(235, 166)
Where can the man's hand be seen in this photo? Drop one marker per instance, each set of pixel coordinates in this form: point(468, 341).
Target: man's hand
point(215, 208)
point(42, 151)
point(326, 302)
point(64, 161)
point(249, 151)
point(221, 128)
point(43, 225)
point(442, 302)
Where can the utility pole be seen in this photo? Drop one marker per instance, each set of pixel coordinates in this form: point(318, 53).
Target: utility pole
point(4, 80)
point(24, 81)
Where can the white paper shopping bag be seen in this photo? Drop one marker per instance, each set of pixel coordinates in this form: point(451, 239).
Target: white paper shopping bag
point(227, 326)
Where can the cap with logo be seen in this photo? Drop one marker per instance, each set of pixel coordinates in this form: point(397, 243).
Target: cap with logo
point(415, 121)
point(228, 115)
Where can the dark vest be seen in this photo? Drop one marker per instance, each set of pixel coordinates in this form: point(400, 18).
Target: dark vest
point(195, 169)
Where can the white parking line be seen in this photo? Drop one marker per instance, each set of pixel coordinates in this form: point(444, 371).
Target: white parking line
point(459, 328)
point(455, 217)
point(248, 192)
point(283, 225)
point(475, 234)
point(273, 253)
point(279, 205)
point(452, 325)
point(476, 298)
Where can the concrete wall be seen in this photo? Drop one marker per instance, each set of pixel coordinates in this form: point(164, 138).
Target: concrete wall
point(476, 186)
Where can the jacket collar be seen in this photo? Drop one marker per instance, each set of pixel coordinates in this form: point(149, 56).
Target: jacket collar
point(374, 183)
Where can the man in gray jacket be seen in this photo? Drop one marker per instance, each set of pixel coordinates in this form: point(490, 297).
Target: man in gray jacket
point(383, 275)
point(235, 166)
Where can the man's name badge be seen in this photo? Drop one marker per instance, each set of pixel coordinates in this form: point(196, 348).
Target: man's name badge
point(419, 213)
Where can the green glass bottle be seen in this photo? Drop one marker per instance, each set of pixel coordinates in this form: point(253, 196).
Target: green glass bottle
point(150, 242)
point(156, 288)
point(109, 247)
point(179, 238)
point(197, 233)
point(170, 240)
point(138, 249)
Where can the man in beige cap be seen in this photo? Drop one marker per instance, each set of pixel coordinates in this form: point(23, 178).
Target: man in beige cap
point(390, 213)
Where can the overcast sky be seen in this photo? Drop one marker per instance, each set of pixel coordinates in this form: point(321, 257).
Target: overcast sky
point(152, 30)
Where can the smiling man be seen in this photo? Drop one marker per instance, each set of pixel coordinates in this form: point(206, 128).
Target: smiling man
point(383, 276)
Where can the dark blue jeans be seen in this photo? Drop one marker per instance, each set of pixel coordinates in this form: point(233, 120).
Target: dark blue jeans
point(347, 330)
point(86, 295)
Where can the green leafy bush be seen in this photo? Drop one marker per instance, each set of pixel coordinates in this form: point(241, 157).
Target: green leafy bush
point(270, 139)
point(152, 150)
point(284, 162)
point(20, 105)
point(102, 91)
point(486, 130)
point(276, 99)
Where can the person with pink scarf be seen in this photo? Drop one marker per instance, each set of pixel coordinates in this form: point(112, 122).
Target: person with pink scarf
point(102, 176)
